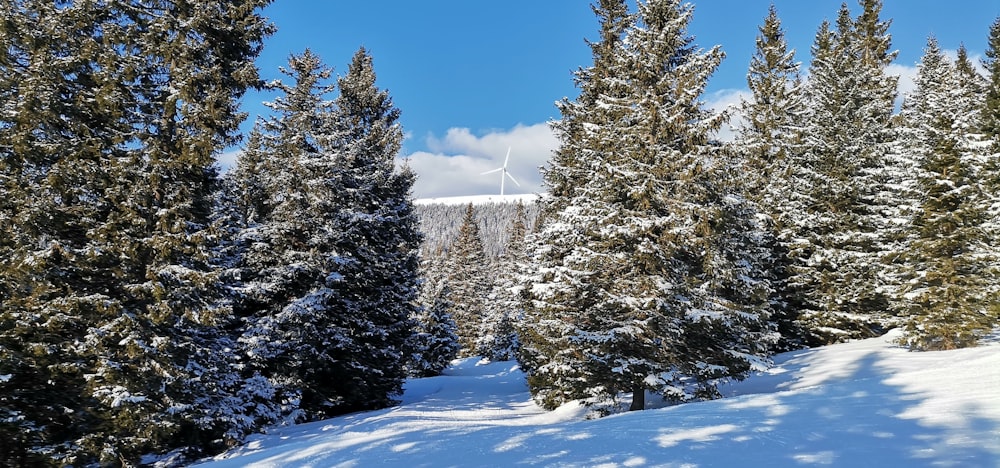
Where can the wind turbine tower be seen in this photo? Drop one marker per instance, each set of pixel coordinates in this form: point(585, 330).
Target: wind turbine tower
point(504, 174)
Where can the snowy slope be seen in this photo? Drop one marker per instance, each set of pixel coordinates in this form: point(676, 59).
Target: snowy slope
point(526, 198)
point(866, 403)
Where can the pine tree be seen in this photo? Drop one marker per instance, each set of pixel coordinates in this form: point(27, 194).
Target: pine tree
point(566, 170)
point(839, 201)
point(629, 294)
point(377, 282)
point(771, 131)
point(558, 290)
point(991, 112)
point(291, 319)
point(55, 136)
point(334, 267)
point(773, 113)
point(435, 343)
point(126, 280)
point(470, 279)
point(948, 293)
point(164, 376)
point(499, 341)
point(990, 124)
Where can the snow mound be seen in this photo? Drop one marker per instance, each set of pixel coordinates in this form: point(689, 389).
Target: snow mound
point(865, 403)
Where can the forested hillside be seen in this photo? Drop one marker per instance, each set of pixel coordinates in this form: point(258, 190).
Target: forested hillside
point(440, 223)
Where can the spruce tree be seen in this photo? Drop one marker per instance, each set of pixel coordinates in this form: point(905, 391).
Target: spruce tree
point(772, 115)
point(630, 293)
point(164, 376)
point(435, 343)
point(558, 291)
point(499, 341)
point(990, 125)
point(839, 182)
point(333, 271)
point(377, 277)
point(771, 130)
point(947, 296)
point(566, 169)
point(290, 314)
point(55, 140)
point(468, 275)
point(126, 279)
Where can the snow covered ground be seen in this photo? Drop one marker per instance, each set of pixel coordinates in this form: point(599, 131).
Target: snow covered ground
point(866, 403)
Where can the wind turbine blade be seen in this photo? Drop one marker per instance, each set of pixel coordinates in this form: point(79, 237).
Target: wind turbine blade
point(506, 158)
point(512, 179)
point(494, 170)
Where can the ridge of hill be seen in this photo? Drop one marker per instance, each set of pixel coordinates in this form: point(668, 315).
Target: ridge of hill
point(525, 198)
point(441, 219)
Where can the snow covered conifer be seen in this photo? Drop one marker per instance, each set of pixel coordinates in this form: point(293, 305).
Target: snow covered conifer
point(469, 278)
point(629, 275)
point(377, 276)
point(771, 130)
point(143, 99)
point(334, 269)
point(839, 220)
point(499, 340)
point(558, 291)
point(990, 124)
point(165, 376)
point(435, 343)
point(772, 115)
point(288, 314)
point(948, 299)
point(566, 169)
point(991, 112)
point(55, 139)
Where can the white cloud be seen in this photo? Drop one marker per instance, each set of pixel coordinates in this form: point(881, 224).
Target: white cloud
point(453, 165)
point(227, 160)
point(907, 74)
point(728, 99)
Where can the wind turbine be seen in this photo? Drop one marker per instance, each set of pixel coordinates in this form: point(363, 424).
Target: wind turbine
point(504, 174)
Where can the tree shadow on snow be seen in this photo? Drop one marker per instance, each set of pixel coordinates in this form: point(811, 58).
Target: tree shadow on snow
point(825, 412)
point(856, 419)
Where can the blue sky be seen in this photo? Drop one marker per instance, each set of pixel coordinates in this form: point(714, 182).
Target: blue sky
point(473, 78)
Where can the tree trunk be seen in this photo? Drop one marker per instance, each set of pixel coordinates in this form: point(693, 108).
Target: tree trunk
point(638, 399)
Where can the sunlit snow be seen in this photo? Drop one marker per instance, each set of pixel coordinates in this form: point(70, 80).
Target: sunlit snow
point(865, 403)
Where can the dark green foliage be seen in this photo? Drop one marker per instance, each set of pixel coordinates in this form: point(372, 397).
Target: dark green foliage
point(648, 246)
point(378, 239)
point(838, 206)
point(111, 317)
point(770, 133)
point(435, 343)
point(948, 298)
point(331, 275)
point(991, 105)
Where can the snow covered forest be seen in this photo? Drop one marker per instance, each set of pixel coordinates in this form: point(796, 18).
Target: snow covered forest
point(155, 311)
point(440, 222)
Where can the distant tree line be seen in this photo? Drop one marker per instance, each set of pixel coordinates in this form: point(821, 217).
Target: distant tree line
point(441, 223)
